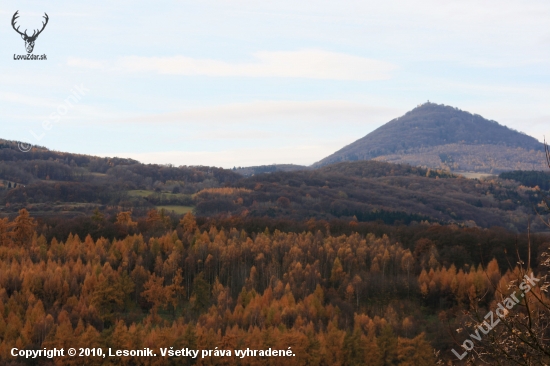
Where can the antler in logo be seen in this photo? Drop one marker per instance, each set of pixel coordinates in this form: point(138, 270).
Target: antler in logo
point(29, 40)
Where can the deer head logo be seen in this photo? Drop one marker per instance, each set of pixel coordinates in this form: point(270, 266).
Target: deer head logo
point(29, 40)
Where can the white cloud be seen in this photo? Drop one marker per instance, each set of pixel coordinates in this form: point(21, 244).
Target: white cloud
point(310, 64)
point(320, 111)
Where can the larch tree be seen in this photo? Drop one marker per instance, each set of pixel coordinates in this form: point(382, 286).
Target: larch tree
point(23, 227)
point(387, 344)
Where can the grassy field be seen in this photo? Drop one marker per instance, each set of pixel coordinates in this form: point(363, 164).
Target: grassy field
point(180, 210)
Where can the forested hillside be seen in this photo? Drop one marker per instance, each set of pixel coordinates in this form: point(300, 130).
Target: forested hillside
point(529, 178)
point(370, 190)
point(52, 184)
point(443, 137)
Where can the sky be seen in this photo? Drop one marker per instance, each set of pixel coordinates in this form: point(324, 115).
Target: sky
point(241, 83)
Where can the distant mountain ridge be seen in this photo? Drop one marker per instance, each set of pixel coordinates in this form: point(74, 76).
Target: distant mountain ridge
point(260, 169)
point(60, 185)
point(439, 136)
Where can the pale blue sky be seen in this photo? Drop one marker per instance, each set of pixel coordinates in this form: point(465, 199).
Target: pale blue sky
point(236, 83)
